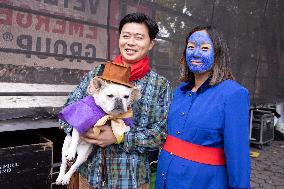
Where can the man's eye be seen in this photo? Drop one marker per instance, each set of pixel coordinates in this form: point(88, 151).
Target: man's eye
point(139, 37)
point(126, 96)
point(125, 36)
point(110, 96)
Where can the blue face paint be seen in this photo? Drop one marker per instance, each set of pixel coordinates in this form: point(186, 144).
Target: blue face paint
point(200, 52)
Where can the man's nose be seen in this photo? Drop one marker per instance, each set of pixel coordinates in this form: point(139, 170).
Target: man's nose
point(131, 41)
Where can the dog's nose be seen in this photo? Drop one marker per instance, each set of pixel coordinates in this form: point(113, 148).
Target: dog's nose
point(118, 104)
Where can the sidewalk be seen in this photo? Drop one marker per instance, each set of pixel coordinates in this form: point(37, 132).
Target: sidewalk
point(267, 170)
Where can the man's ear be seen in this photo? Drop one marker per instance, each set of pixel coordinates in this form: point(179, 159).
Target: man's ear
point(135, 94)
point(96, 85)
point(152, 43)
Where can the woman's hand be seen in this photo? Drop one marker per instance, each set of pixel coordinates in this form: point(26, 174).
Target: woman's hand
point(105, 137)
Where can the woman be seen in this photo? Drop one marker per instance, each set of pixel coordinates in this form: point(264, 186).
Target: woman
point(208, 133)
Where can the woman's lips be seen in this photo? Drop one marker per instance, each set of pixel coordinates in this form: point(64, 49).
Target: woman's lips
point(194, 62)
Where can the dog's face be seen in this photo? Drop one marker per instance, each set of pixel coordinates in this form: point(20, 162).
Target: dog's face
point(113, 98)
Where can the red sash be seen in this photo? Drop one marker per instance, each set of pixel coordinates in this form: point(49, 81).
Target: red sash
point(194, 152)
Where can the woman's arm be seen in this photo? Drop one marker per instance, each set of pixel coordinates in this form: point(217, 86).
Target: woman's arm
point(236, 139)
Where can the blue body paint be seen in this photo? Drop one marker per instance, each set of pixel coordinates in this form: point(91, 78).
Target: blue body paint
point(200, 52)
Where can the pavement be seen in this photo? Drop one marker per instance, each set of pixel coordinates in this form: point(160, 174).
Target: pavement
point(267, 170)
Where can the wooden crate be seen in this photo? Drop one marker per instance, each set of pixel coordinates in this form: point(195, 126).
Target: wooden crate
point(26, 160)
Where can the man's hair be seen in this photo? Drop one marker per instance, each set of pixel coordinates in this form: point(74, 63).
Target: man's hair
point(221, 70)
point(141, 18)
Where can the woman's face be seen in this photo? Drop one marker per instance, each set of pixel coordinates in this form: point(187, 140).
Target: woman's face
point(134, 42)
point(200, 52)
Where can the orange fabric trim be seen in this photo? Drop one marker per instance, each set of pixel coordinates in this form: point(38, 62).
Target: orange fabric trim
point(194, 152)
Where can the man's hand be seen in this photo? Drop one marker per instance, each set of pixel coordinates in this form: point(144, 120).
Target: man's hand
point(105, 138)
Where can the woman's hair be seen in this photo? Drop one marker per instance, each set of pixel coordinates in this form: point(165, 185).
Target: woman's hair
point(141, 18)
point(220, 70)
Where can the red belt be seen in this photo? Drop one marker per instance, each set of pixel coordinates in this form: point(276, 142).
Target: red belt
point(194, 152)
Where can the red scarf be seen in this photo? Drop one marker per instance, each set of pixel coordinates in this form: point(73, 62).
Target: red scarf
point(138, 69)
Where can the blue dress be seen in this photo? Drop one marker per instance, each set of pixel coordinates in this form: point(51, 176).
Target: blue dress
point(214, 116)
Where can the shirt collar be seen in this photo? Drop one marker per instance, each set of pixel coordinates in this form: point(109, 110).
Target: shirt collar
point(201, 89)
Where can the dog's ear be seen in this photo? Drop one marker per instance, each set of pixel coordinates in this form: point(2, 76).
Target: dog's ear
point(135, 94)
point(96, 85)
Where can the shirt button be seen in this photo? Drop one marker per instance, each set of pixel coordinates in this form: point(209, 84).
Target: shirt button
point(171, 153)
point(163, 174)
point(189, 94)
point(178, 132)
point(182, 113)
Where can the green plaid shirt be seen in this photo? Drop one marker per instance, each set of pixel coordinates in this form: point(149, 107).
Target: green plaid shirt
point(127, 163)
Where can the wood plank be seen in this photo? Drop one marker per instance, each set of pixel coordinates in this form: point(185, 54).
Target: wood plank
point(6, 87)
point(31, 101)
point(33, 113)
point(25, 123)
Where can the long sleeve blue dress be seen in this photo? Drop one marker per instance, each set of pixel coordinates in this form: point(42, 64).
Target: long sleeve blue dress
point(214, 116)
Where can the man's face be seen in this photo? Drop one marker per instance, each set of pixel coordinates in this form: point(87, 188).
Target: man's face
point(134, 42)
point(200, 52)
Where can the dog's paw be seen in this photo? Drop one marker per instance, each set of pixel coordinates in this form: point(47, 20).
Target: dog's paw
point(65, 180)
point(59, 180)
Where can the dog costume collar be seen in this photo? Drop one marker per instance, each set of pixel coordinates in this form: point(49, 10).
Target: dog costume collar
point(117, 123)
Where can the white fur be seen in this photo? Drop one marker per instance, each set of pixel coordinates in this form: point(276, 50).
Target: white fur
point(112, 98)
point(118, 92)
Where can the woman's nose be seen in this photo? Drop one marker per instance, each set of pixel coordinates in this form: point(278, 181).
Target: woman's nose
point(196, 52)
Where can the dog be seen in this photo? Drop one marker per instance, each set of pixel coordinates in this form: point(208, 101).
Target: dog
point(114, 99)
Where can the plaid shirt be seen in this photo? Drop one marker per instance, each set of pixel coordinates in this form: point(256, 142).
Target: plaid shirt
point(127, 163)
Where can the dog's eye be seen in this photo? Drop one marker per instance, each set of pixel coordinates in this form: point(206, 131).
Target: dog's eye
point(110, 96)
point(126, 96)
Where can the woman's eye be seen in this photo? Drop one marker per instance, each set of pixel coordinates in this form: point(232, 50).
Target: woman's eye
point(110, 96)
point(205, 48)
point(126, 96)
point(190, 47)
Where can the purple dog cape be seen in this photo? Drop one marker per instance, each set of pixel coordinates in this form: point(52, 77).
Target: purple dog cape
point(84, 113)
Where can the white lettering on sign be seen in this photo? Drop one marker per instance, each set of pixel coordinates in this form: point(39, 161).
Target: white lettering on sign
point(7, 168)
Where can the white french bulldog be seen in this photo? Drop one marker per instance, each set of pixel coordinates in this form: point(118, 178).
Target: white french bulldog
point(114, 99)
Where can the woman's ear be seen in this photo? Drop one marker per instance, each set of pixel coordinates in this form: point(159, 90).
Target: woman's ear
point(96, 85)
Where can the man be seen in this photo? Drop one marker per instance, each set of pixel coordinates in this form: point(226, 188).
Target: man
point(126, 165)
